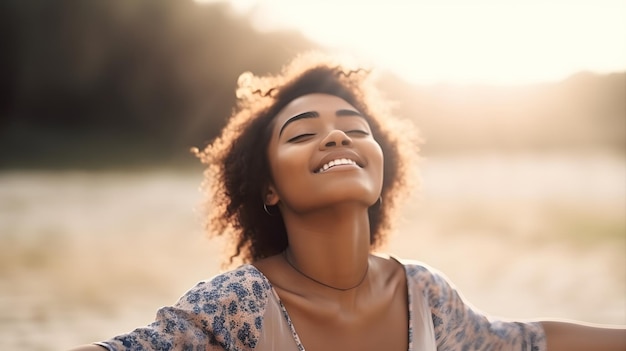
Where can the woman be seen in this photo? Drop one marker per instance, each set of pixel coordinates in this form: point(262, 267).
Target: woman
point(305, 178)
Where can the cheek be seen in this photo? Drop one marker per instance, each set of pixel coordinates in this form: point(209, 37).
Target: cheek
point(377, 157)
point(378, 163)
point(287, 167)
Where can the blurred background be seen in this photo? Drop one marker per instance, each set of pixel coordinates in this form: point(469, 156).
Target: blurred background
point(521, 106)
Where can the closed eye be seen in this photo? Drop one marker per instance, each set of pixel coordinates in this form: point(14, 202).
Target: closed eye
point(300, 137)
point(357, 131)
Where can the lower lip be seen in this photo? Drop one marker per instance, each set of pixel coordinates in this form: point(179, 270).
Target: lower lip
point(340, 168)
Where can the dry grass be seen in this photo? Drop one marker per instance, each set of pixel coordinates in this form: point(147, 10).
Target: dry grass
point(84, 256)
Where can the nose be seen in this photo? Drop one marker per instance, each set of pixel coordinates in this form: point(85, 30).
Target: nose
point(335, 138)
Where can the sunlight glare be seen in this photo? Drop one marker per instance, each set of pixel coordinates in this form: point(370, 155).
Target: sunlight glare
point(485, 41)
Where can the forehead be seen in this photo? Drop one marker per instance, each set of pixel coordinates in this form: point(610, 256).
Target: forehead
point(321, 103)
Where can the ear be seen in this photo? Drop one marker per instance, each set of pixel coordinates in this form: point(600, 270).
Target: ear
point(271, 196)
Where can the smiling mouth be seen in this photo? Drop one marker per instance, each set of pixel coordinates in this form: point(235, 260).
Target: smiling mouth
point(337, 162)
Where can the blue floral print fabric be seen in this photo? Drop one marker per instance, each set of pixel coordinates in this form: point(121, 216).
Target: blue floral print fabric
point(227, 313)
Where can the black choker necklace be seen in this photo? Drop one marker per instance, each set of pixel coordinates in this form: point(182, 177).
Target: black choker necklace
point(319, 282)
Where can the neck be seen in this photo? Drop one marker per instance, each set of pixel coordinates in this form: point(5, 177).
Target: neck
point(319, 282)
point(330, 247)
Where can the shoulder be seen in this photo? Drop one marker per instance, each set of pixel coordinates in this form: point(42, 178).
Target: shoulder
point(231, 305)
point(242, 290)
point(419, 272)
point(428, 281)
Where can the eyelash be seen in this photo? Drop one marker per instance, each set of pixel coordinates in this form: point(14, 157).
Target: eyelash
point(298, 137)
point(302, 136)
point(358, 131)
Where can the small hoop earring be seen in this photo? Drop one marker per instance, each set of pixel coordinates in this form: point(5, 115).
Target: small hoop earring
point(267, 210)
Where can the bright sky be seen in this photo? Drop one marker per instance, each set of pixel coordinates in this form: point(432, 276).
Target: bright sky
point(484, 41)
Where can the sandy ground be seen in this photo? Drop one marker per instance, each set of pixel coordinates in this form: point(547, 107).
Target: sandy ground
point(84, 256)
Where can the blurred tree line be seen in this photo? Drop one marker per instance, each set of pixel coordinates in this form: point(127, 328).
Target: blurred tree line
point(586, 111)
point(116, 83)
point(86, 78)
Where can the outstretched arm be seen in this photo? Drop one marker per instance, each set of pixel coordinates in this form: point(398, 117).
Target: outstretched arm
point(574, 336)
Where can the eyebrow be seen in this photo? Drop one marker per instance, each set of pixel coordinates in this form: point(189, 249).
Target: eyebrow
point(315, 114)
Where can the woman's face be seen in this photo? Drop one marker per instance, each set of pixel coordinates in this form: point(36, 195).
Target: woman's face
point(322, 152)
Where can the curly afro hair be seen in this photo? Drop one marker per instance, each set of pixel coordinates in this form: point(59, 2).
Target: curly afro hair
point(238, 171)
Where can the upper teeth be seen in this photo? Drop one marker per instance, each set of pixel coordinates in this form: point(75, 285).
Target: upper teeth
point(337, 162)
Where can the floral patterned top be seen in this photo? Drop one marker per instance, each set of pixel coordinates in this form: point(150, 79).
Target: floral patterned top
point(240, 310)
